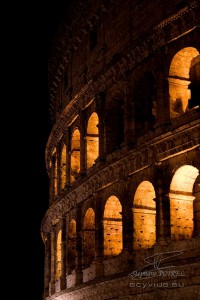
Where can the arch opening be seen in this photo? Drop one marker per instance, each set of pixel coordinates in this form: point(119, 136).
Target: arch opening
point(182, 201)
point(144, 216)
point(58, 255)
point(145, 104)
point(92, 139)
point(88, 238)
point(179, 81)
point(112, 222)
point(75, 154)
point(63, 167)
point(114, 120)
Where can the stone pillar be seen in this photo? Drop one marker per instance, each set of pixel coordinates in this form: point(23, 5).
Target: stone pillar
point(99, 239)
point(55, 176)
point(163, 107)
point(83, 150)
point(58, 150)
point(79, 273)
point(63, 255)
point(53, 261)
point(196, 192)
point(47, 266)
point(127, 223)
point(68, 158)
point(162, 206)
point(51, 198)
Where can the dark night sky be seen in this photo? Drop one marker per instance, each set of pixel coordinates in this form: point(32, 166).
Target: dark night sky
point(39, 123)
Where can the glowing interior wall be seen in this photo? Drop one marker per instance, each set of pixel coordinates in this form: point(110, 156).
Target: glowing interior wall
point(88, 237)
point(71, 246)
point(58, 256)
point(113, 243)
point(63, 167)
point(144, 216)
point(75, 154)
point(181, 202)
point(92, 139)
point(179, 80)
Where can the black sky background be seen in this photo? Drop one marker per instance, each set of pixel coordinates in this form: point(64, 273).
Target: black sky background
point(42, 31)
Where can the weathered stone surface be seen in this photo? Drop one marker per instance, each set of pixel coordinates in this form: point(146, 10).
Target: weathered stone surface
point(123, 153)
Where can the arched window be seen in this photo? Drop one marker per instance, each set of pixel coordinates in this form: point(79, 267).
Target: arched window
point(114, 122)
point(144, 216)
point(92, 140)
point(88, 238)
point(179, 71)
point(181, 202)
point(71, 246)
point(112, 223)
point(145, 104)
point(63, 167)
point(58, 255)
point(75, 154)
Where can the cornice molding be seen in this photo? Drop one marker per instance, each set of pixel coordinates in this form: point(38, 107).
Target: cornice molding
point(185, 20)
point(163, 34)
point(144, 156)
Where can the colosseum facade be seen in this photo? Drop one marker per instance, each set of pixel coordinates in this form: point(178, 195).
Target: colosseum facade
point(123, 155)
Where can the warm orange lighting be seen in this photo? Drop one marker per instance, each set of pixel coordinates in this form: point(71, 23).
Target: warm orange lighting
point(58, 256)
point(63, 167)
point(75, 154)
point(179, 80)
point(88, 238)
point(181, 202)
point(144, 216)
point(112, 227)
point(92, 140)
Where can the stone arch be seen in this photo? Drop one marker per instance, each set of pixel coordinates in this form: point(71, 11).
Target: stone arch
point(63, 166)
point(71, 246)
point(179, 74)
point(145, 110)
point(182, 201)
point(75, 154)
point(58, 255)
point(88, 237)
point(144, 216)
point(112, 223)
point(92, 139)
point(114, 121)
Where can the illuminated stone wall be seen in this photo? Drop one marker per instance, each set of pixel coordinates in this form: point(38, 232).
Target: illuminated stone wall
point(123, 153)
point(144, 216)
point(92, 140)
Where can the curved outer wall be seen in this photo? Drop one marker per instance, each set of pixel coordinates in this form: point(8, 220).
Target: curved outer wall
point(123, 153)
